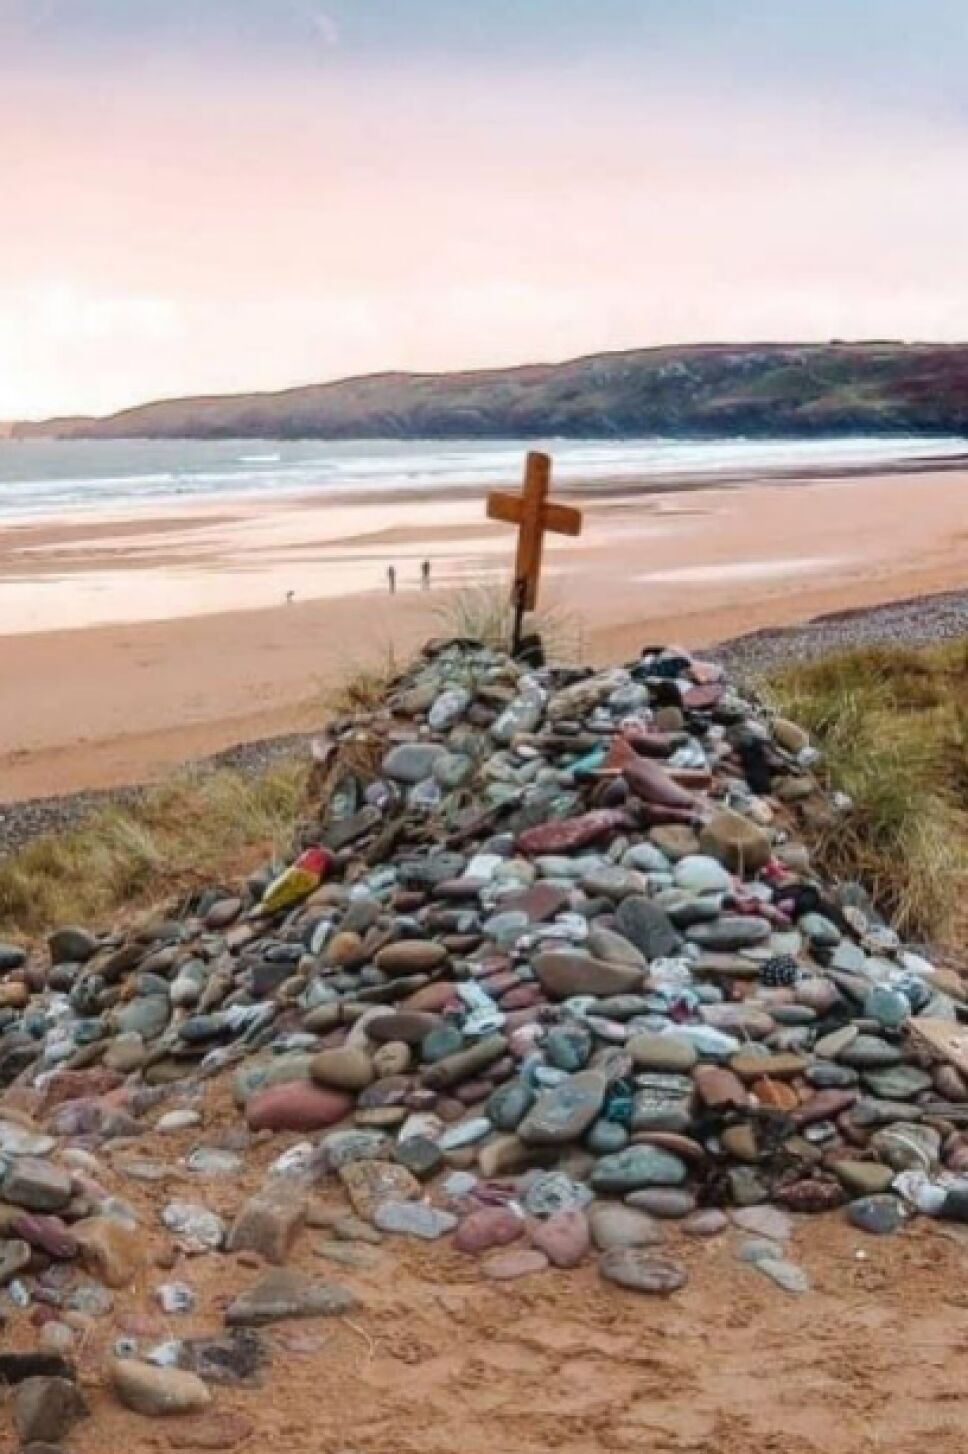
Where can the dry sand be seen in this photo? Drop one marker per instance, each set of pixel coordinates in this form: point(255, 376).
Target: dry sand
point(440, 1361)
point(197, 649)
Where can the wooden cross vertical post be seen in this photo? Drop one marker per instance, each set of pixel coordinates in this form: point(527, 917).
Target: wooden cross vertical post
point(533, 513)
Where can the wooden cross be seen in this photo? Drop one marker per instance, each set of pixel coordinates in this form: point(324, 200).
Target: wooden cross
point(533, 513)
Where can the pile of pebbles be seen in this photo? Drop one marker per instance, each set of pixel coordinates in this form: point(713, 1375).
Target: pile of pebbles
point(552, 977)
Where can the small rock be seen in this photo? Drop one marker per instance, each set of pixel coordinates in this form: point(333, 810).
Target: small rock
point(414, 1219)
point(158, 1392)
point(881, 1214)
point(613, 1225)
point(641, 1271)
point(45, 1410)
point(284, 1294)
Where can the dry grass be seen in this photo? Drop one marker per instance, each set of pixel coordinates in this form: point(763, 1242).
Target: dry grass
point(484, 613)
point(893, 724)
point(180, 835)
point(362, 688)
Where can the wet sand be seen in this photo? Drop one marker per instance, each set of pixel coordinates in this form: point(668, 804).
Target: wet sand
point(128, 645)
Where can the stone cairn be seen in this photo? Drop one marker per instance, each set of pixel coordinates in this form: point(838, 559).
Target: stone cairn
point(556, 979)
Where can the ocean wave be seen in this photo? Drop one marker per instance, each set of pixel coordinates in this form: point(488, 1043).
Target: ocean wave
point(46, 477)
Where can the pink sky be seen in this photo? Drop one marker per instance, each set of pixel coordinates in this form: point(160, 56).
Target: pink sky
point(174, 231)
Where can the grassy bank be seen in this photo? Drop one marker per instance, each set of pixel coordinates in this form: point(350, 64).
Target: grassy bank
point(893, 724)
point(186, 832)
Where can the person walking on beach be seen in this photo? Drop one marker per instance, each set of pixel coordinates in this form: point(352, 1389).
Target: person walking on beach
point(392, 579)
point(425, 576)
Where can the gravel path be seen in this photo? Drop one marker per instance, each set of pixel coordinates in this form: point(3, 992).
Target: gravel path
point(916, 622)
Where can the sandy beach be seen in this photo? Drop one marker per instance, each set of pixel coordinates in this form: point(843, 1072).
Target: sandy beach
point(129, 645)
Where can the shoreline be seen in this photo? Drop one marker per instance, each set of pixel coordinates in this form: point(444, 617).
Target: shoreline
point(102, 704)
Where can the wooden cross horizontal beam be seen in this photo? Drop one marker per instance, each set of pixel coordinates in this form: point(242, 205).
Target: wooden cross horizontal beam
point(534, 514)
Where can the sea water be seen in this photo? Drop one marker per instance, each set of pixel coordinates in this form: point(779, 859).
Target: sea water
point(55, 478)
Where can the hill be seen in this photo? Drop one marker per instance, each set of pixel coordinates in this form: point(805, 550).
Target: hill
point(701, 390)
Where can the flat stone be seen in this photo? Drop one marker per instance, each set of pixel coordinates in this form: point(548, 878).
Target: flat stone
point(736, 842)
point(466, 1065)
point(665, 1053)
point(411, 956)
point(787, 1275)
point(563, 974)
point(565, 1112)
point(649, 928)
point(509, 1104)
point(157, 1392)
point(412, 762)
point(674, 840)
point(410, 1027)
point(487, 1228)
point(729, 932)
point(614, 1225)
point(343, 1069)
point(285, 1294)
point(869, 1052)
point(196, 1228)
point(421, 1156)
point(709, 1222)
point(638, 1166)
point(780, 1066)
point(368, 1183)
point(37, 1185)
point(907, 1146)
point(71, 944)
point(764, 1222)
point(564, 1237)
point(44, 1410)
point(897, 1082)
point(701, 874)
point(296, 1106)
point(828, 1075)
point(720, 1089)
point(233, 1360)
point(863, 1178)
point(880, 1214)
point(414, 1219)
point(15, 1255)
point(668, 1202)
point(642, 1271)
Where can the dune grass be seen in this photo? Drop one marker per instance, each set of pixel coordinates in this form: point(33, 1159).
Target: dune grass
point(178, 836)
point(893, 725)
point(484, 613)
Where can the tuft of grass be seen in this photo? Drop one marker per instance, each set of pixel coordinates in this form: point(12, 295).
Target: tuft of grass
point(179, 836)
point(893, 726)
point(362, 688)
point(484, 613)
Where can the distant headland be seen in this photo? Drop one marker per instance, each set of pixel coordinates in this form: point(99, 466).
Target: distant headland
point(701, 390)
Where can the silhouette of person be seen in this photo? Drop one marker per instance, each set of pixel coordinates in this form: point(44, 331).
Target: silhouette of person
point(425, 576)
point(392, 579)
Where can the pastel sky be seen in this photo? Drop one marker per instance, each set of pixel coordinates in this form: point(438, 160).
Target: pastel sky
point(213, 195)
